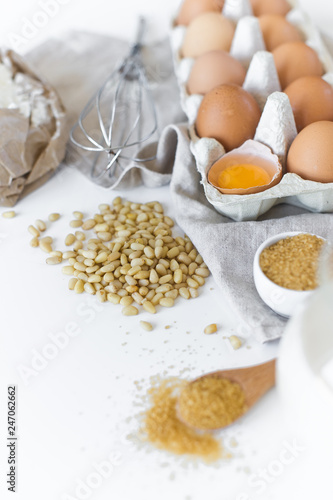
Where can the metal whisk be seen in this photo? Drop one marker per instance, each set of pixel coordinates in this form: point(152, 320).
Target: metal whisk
point(119, 118)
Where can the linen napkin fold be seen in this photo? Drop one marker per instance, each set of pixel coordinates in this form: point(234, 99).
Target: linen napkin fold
point(76, 66)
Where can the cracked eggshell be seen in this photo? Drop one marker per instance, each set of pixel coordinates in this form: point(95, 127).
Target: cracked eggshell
point(251, 152)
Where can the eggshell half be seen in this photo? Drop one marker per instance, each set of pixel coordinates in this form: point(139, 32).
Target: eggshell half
point(250, 152)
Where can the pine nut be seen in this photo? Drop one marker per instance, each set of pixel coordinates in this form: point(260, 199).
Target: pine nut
point(178, 276)
point(53, 217)
point(199, 279)
point(79, 266)
point(101, 257)
point(126, 301)
point(104, 235)
point(171, 294)
point(194, 293)
point(77, 215)
point(68, 270)
point(146, 326)
point(192, 283)
point(174, 265)
point(165, 279)
point(68, 255)
point(32, 230)
point(113, 297)
point(184, 292)
point(56, 253)
point(113, 256)
point(79, 235)
point(53, 260)
point(89, 288)
point(9, 214)
point(184, 258)
point(34, 242)
point(130, 311)
point(201, 271)
point(235, 342)
point(46, 247)
point(156, 299)
point(70, 239)
point(101, 295)
point(79, 286)
point(164, 288)
point(210, 329)
point(166, 302)
point(149, 307)
point(88, 224)
point(41, 226)
point(76, 223)
point(72, 282)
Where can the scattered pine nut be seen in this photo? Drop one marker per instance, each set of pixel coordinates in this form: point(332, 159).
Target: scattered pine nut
point(9, 214)
point(53, 260)
point(146, 326)
point(130, 311)
point(210, 329)
point(32, 230)
point(40, 224)
point(34, 242)
point(53, 217)
point(235, 342)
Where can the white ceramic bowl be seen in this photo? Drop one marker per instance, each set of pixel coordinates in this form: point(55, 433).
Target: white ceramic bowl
point(281, 300)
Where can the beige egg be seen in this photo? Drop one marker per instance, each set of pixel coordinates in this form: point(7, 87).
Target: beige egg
point(190, 9)
point(310, 155)
point(311, 99)
point(228, 114)
point(260, 7)
point(209, 31)
point(294, 60)
point(212, 69)
point(277, 30)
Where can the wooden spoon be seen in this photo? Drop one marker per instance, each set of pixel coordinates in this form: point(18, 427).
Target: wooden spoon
point(255, 381)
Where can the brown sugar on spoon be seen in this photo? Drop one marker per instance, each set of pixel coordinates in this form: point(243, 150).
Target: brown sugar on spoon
point(211, 403)
point(217, 399)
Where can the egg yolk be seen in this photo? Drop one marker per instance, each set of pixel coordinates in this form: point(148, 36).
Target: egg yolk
point(243, 176)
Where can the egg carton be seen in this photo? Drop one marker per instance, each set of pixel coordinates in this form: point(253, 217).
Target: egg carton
point(276, 128)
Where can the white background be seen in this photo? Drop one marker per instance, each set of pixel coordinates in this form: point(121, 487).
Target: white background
point(78, 409)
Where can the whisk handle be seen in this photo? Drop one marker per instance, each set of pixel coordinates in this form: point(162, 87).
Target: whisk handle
point(139, 36)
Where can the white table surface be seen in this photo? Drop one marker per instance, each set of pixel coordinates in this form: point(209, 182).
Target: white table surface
point(79, 409)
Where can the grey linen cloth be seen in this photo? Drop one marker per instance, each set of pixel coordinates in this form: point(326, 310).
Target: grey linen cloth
point(76, 65)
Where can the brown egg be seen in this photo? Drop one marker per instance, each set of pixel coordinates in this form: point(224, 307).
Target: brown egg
point(212, 69)
point(311, 99)
point(277, 30)
point(260, 7)
point(190, 9)
point(209, 31)
point(228, 114)
point(310, 155)
point(294, 60)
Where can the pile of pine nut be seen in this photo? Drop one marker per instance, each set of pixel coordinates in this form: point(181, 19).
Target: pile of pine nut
point(133, 258)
